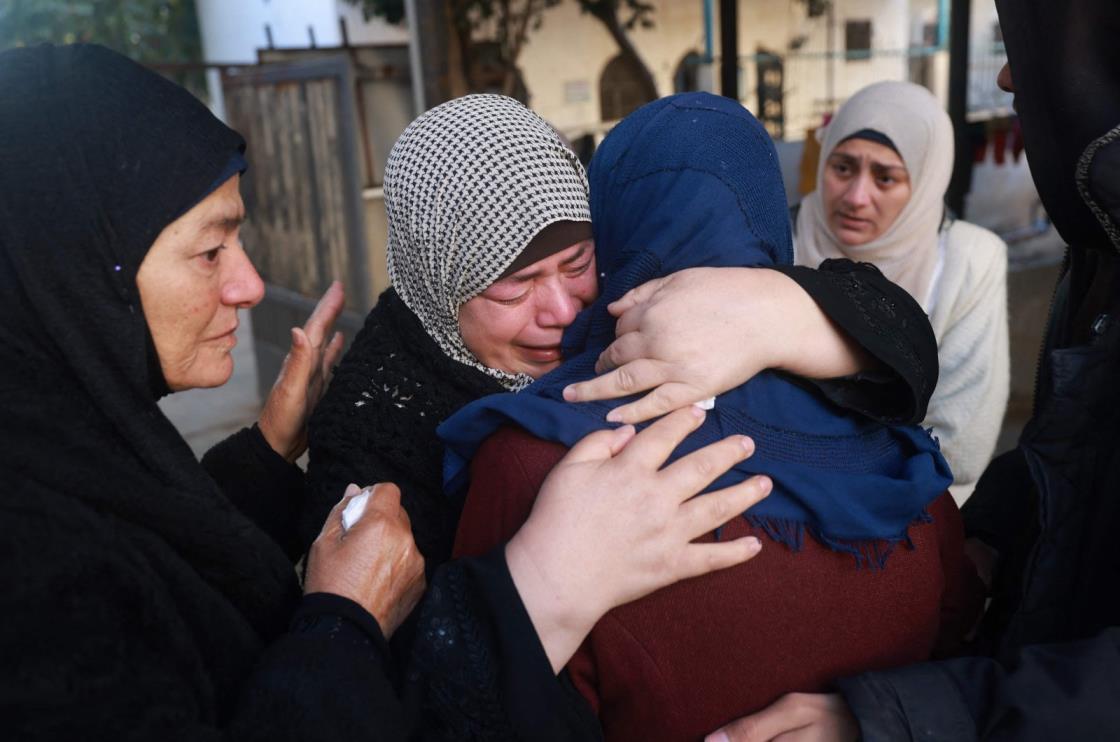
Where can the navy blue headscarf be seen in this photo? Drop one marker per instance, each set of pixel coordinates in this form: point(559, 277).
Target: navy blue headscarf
point(693, 180)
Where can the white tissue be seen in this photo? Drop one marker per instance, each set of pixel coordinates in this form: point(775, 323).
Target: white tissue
point(354, 509)
point(706, 404)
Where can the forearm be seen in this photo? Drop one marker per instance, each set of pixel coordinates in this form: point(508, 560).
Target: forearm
point(805, 341)
point(896, 382)
point(260, 483)
point(495, 681)
point(333, 647)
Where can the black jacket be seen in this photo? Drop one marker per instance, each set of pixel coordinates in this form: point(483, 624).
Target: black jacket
point(1048, 664)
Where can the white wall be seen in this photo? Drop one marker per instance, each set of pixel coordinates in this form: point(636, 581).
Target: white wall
point(374, 31)
point(233, 30)
point(568, 53)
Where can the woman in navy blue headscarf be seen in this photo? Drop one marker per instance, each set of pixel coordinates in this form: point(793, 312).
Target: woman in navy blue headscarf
point(693, 180)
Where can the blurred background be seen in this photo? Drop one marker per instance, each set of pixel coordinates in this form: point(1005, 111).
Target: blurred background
point(322, 88)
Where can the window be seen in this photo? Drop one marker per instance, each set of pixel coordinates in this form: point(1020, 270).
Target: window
point(621, 89)
point(857, 39)
point(687, 77)
point(930, 34)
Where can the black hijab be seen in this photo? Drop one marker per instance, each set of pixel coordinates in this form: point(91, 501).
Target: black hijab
point(99, 155)
point(1065, 63)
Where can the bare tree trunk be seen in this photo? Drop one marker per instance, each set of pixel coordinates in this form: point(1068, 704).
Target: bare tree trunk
point(516, 43)
point(607, 12)
point(443, 61)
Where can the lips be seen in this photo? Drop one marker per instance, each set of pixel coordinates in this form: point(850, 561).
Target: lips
point(541, 353)
point(852, 222)
point(229, 335)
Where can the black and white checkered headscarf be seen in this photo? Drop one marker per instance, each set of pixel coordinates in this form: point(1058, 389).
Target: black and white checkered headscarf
point(467, 186)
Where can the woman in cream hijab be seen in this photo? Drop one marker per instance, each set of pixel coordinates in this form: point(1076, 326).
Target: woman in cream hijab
point(886, 161)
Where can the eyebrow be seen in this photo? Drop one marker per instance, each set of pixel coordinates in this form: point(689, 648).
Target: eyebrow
point(850, 160)
point(525, 277)
point(226, 223)
point(582, 251)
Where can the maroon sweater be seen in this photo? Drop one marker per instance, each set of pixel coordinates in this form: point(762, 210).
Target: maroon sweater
point(687, 659)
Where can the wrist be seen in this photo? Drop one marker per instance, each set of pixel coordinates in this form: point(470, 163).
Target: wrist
point(561, 614)
point(288, 450)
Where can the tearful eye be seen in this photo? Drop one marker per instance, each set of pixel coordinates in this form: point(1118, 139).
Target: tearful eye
point(511, 301)
point(579, 269)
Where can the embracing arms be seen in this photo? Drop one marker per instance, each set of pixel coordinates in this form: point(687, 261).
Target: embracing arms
point(697, 333)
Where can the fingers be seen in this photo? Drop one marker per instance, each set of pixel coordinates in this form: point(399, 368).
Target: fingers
point(697, 470)
point(794, 716)
point(652, 446)
point(807, 733)
point(626, 347)
point(332, 526)
point(635, 296)
point(322, 318)
point(386, 497)
point(662, 400)
point(708, 512)
point(298, 363)
point(332, 355)
point(700, 559)
point(634, 377)
point(599, 446)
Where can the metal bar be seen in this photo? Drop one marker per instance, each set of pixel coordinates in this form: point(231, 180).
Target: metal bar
point(312, 177)
point(416, 69)
point(961, 181)
point(942, 23)
point(729, 48)
point(830, 66)
point(708, 50)
point(355, 220)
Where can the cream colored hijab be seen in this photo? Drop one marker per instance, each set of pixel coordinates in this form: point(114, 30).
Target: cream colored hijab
point(906, 252)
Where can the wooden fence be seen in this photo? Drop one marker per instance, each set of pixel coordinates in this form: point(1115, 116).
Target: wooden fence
point(316, 157)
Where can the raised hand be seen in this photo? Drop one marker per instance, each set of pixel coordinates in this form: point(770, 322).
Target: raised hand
point(303, 377)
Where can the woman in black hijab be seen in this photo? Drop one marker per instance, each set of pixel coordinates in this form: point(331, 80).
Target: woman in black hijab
point(141, 597)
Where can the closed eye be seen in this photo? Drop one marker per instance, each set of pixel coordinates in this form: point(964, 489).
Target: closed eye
point(579, 270)
point(512, 301)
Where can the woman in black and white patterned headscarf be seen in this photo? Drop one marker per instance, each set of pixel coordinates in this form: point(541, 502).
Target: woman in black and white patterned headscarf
point(477, 190)
point(490, 256)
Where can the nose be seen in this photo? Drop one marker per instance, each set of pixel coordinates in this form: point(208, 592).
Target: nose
point(557, 307)
point(1003, 79)
point(858, 193)
point(243, 286)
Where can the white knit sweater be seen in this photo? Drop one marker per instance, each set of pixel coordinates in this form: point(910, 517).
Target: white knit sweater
point(968, 310)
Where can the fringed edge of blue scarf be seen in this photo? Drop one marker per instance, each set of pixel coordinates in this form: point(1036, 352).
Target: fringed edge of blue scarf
point(870, 554)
